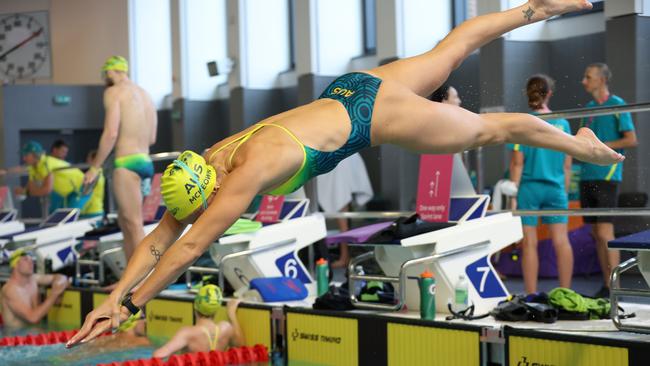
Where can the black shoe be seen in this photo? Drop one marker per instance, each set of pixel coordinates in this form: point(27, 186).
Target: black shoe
point(602, 293)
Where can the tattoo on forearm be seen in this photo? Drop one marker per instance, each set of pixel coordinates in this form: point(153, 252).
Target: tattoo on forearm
point(528, 14)
point(155, 252)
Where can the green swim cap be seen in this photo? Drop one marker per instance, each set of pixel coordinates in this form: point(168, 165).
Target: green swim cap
point(208, 301)
point(31, 147)
point(186, 184)
point(16, 255)
point(117, 63)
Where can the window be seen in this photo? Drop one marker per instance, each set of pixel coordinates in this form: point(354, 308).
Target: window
point(462, 10)
point(369, 26)
point(292, 34)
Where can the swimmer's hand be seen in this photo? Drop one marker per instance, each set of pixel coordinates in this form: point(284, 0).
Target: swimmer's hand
point(232, 307)
point(20, 191)
point(106, 317)
point(91, 175)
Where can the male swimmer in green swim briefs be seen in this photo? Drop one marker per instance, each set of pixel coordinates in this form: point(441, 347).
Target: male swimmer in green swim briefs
point(129, 127)
point(384, 105)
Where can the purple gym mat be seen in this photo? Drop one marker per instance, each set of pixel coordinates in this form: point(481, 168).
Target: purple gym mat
point(358, 235)
point(585, 258)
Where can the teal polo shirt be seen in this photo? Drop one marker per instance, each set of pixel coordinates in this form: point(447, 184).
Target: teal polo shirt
point(607, 128)
point(544, 165)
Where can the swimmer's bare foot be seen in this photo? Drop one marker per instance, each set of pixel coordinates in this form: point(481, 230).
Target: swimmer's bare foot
point(595, 151)
point(549, 8)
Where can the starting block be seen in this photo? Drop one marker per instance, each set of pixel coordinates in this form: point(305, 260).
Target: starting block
point(54, 238)
point(462, 245)
point(9, 224)
point(271, 251)
point(639, 243)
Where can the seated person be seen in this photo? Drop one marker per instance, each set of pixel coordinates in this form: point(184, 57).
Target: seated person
point(64, 187)
point(207, 335)
point(21, 305)
point(59, 149)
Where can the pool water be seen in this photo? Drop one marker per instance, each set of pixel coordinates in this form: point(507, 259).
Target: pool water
point(58, 355)
point(112, 348)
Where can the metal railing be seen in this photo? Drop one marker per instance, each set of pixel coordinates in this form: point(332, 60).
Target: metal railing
point(401, 279)
point(248, 252)
point(616, 291)
point(567, 212)
point(163, 156)
point(596, 111)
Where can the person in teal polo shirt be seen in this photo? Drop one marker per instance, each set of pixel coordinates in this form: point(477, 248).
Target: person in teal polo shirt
point(599, 185)
point(543, 179)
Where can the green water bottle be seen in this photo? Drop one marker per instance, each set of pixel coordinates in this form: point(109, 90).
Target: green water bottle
point(427, 295)
point(322, 276)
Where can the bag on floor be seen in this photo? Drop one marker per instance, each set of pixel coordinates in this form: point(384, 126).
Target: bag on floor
point(405, 227)
point(573, 306)
point(334, 299)
point(516, 308)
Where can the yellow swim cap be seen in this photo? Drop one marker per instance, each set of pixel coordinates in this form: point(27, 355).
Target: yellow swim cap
point(208, 301)
point(186, 184)
point(117, 63)
point(16, 255)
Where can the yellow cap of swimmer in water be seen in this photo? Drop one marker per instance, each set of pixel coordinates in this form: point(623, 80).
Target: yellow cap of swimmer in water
point(208, 301)
point(16, 255)
point(186, 184)
point(117, 63)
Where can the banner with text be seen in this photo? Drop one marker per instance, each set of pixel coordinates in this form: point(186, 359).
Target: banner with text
point(434, 187)
point(270, 209)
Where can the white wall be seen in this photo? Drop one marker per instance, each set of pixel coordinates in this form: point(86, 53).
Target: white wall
point(425, 23)
point(339, 35)
point(201, 39)
point(625, 7)
point(409, 27)
point(258, 31)
point(560, 28)
point(84, 34)
point(150, 47)
point(551, 29)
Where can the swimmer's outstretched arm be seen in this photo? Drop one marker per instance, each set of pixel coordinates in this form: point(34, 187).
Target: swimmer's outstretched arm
point(148, 253)
point(233, 198)
point(146, 256)
point(237, 336)
point(179, 341)
point(237, 191)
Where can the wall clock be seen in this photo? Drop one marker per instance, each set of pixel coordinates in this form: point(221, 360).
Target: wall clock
point(25, 46)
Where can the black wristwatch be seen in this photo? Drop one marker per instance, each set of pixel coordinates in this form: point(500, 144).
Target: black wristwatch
point(127, 303)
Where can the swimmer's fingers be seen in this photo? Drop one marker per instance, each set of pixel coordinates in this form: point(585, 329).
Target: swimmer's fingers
point(101, 326)
point(90, 177)
point(115, 320)
point(92, 321)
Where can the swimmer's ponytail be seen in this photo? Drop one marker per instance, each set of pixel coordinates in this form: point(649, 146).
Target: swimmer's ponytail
point(537, 89)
